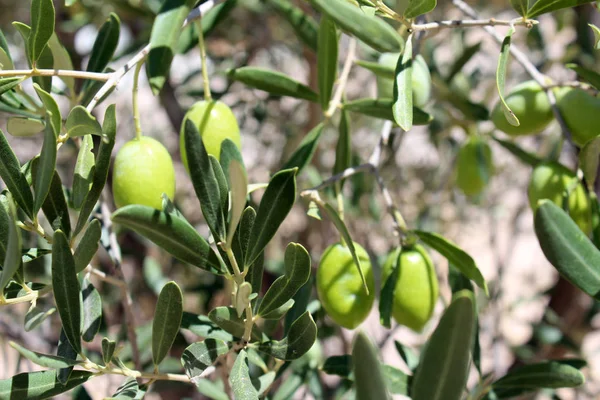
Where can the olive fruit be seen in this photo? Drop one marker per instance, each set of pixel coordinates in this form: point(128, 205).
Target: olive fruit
point(142, 172)
point(474, 166)
point(416, 289)
point(549, 180)
point(421, 79)
point(340, 287)
point(580, 110)
point(215, 122)
point(530, 104)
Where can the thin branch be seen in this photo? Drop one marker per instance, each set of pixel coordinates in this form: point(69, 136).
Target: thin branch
point(96, 76)
point(472, 23)
point(343, 81)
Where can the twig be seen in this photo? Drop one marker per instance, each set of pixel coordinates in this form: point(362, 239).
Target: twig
point(106, 278)
point(472, 23)
point(96, 76)
point(343, 81)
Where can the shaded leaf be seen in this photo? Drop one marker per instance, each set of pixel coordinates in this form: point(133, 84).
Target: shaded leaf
point(239, 378)
point(35, 316)
point(82, 177)
point(108, 349)
point(46, 165)
point(273, 82)
point(51, 108)
point(167, 319)
point(42, 27)
point(12, 259)
point(368, 377)
point(202, 326)
point(62, 60)
point(419, 7)
point(201, 355)
point(523, 155)
point(103, 49)
point(13, 178)
point(304, 25)
point(92, 311)
point(55, 206)
point(403, 95)
point(88, 245)
point(382, 108)
point(80, 122)
point(327, 59)
point(299, 340)
point(305, 151)
point(589, 159)
point(40, 385)
point(545, 6)
point(24, 127)
point(227, 319)
point(501, 72)
point(44, 360)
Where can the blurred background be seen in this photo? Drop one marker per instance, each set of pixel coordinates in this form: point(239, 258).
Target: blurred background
point(531, 313)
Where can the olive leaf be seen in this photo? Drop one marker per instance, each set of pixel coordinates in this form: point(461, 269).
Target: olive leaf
point(419, 7)
point(92, 311)
point(305, 151)
point(300, 338)
point(403, 95)
point(197, 357)
point(167, 320)
point(12, 257)
point(383, 109)
point(545, 6)
point(501, 77)
point(81, 122)
point(42, 28)
point(83, 174)
point(303, 24)
point(273, 82)
point(368, 376)
point(239, 379)
point(103, 50)
point(327, 59)
point(44, 360)
point(13, 178)
point(88, 245)
point(40, 385)
point(46, 165)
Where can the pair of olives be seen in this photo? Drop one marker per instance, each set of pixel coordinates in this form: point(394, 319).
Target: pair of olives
point(531, 106)
point(340, 287)
point(143, 168)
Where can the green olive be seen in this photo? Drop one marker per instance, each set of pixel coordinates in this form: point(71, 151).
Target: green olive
point(474, 166)
point(580, 110)
point(549, 180)
point(416, 289)
point(421, 79)
point(215, 122)
point(142, 172)
point(340, 286)
point(531, 106)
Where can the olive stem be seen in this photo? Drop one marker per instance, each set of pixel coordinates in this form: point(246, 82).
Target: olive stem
point(32, 296)
point(134, 98)
point(336, 100)
point(202, 46)
point(96, 76)
point(472, 23)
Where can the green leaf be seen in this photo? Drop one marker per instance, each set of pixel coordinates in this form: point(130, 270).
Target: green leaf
point(567, 248)
point(108, 349)
point(371, 30)
point(40, 385)
point(239, 379)
point(589, 159)
point(65, 350)
point(167, 320)
point(419, 7)
point(35, 316)
point(380, 70)
point(343, 148)
point(303, 24)
point(403, 95)
point(455, 255)
point(55, 206)
point(305, 151)
point(447, 353)
point(163, 40)
point(201, 355)
point(32, 254)
point(51, 107)
point(7, 84)
point(202, 326)
point(66, 289)
point(42, 27)
point(297, 272)
point(222, 184)
point(24, 127)
point(596, 32)
point(214, 390)
point(227, 319)
point(523, 155)
point(10, 172)
point(205, 183)
point(88, 245)
point(128, 390)
point(103, 49)
point(299, 340)
point(12, 259)
point(109, 131)
point(520, 6)
point(5, 221)
point(240, 242)
point(92, 311)
point(62, 60)
point(462, 60)
point(327, 59)
point(545, 6)
point(527, 378)
point(5, 60)
point(276, 203)
point(591, 76)
point(338, 365)
point(396, 380)
point(173, 234)
point(501, 77)
point(46, 166)
point(44, 360)
point(386, 298)
point(80, 122)
point(239, 188)
point(368, 377)
point(82, 177)
point(273, 82)
point(209, 22)
point(383, 109)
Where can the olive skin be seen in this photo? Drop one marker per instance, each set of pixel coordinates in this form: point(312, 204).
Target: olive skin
point(340, 287)
point(421, 79)
point(143, 170)
point(215, 122)
point(580, 111)
point(531, 106)
point(416, 289)
point(549, 180)
point(474, 166)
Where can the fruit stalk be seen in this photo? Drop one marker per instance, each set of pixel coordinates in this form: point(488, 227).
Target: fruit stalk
point(96, 76)
point(134, 98)
point(202, 46)
point(472, 23)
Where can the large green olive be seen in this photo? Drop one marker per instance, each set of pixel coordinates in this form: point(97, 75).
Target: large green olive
point(215, 122)
point(531, 106)
point(421, 79)
point(142, 172)
point(474, 166)
point(340, 287)
point(580, 110)
point(416, 289)
point(549, 180)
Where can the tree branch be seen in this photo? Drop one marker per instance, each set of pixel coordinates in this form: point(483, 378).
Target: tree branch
point(473, 23)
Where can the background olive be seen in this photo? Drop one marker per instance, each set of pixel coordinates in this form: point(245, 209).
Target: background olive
point(416, 289)
point(531, 106)
point(215, 122)
point(549, 180)
point(580, 110)
point(421, 79)
point(142, 172)
point(474, 166)
point(340, 287)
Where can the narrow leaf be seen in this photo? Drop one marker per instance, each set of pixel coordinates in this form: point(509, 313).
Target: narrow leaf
point(239, 188)
point(55, 206)
point(88, 245)
point(108, 349)
point(327, 59)
point(92, 311)
point(45, 167)
point(343, 148)
point(82, 177)
point(383, 109)
point(239, 379)
point(51, 108)
point(40, 385)
point(62, 60)
point(273, 82)
point(80, 122)
point(227, 319)
point(24, 127)
point(523, 155)
point(589, 159)
point(167, 319)
point(520, 6)
point(303, 24)
point(44, 360)
point(403, 96)
point(42, 27)
point(202, 326)
point(545, 6)
point(104, 47)
point(419, 7)
point(201, 355)
point(501, 77)
point(549, 374)
point(12, 259)
point(10, 172)
point(368, 377)
point(299, 340)
point(587, 74)
point(305, 151)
